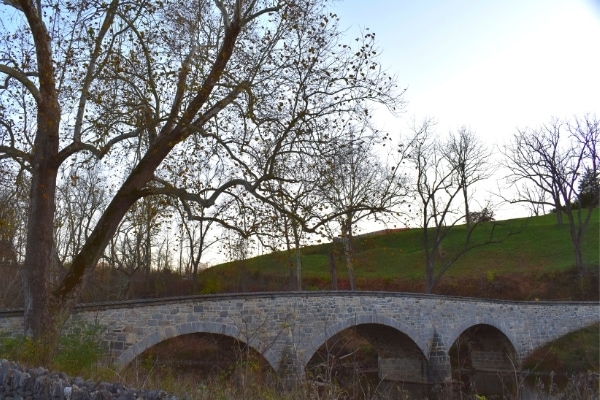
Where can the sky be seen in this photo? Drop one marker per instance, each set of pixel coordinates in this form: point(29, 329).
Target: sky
point(491, 65)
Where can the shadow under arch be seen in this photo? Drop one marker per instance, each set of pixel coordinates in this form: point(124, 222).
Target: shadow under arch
point(483, 358)
point(489, 342)
point(419, 338)
point(460, 329)
point(190, 328)
point(370, 358)
point(372, 351)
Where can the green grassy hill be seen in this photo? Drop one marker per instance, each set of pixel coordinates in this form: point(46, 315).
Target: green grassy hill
point(535, 260)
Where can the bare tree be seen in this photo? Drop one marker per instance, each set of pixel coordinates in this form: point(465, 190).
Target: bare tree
point(14, 203)
point(130, 250)
point(357, 186)
point(300, 195)
point(196, 232)
point(437, 185)
point(285, 231)
point(584, 133)
point(471, 160)
point(80, 199)
point(13, 220)
point(128, 84)
point(436, 189)
point(553, 159)
point(533, 157)
point(10, 269)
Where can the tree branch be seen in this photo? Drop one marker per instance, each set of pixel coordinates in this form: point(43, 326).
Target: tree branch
point(23, 78)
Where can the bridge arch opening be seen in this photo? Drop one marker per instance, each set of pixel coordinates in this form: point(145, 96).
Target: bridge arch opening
point(484, 360)
point(369, 358)
point(203, 357)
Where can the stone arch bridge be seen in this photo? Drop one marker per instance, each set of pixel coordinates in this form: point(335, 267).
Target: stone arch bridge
point(412, 333)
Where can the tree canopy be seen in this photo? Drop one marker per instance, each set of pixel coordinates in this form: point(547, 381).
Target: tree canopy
point(200, 100)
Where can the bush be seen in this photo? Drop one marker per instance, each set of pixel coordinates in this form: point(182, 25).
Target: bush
point(485, 215)
point(19, 348)
point(79, 350)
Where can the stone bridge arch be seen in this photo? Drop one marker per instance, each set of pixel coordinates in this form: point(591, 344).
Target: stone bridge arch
point(483, 357)
point(403, 353)
point(489, 349)
point(454, 334)
point(336, 327)
point(174, 331)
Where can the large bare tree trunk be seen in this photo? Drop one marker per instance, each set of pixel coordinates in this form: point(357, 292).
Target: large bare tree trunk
point(40, 244)
point(45, 311)
point(44, 171)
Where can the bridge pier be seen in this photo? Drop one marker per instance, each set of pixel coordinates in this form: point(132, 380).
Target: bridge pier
point(291, 369)
point(440, 370)
point(414, 369)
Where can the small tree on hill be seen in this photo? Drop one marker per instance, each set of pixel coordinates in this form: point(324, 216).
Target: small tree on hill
point(469, 158)
point(438, 184)
point(355, 185)
point(560, 159)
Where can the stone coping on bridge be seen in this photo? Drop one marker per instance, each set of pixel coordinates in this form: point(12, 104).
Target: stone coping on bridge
point(256, 295)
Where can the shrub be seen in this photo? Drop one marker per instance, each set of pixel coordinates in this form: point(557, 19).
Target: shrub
point(485, 215)
point(79, 349)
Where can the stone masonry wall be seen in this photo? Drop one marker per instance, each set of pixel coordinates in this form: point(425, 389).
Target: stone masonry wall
point(494, 361)
point(40, 384)
point(403, 369)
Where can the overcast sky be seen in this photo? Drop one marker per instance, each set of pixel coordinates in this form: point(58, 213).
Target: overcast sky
point(489, 64)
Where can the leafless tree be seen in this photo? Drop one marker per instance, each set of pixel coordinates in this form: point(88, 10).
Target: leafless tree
point(438, 183)
point(13, 220)
point(197, 236)
point(130, 252)
point(10, 269)
point(356, 185)
point(533, 157)
point(14, 203)
point(553, 159)
point(81, 197)
point(471, 160)
point(281, 231)
point(436, 189)
point(301, 196)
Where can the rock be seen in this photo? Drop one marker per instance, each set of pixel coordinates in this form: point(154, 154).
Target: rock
point(41, 384)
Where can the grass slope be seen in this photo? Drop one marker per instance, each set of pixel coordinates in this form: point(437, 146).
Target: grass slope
point(572, 354)
point(534, 252)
